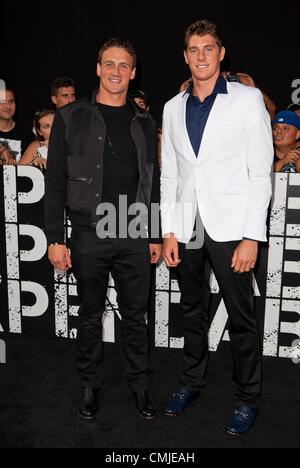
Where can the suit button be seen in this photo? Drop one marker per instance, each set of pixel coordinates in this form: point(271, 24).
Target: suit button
point(100, 138)
point(98, 166)
point(97, 195)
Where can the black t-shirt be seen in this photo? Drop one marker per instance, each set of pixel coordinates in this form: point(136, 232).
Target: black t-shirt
point(18, 139)
point(121, 172)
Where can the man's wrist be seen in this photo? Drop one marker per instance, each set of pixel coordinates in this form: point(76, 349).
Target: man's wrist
point(170, 235)
point(251, 240)
point(2, 148)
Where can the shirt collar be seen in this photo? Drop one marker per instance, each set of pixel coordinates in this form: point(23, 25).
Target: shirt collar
point(220, 87)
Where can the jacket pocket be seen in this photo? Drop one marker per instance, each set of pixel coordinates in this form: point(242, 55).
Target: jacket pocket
point(80, 193)
point(85, 180)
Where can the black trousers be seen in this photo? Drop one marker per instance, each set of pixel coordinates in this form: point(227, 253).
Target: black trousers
point(128, 261)
point(238, 295)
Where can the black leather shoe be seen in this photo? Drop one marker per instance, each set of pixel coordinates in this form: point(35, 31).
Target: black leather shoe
point(179, 401)
point(145, 406)
point(88, 405)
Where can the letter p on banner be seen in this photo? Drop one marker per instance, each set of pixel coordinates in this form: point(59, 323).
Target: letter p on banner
point(2, 91)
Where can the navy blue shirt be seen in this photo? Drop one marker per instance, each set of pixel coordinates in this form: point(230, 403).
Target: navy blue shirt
point(197, 112)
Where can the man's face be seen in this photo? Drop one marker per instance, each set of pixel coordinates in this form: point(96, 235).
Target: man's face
point(203, 56)
point(285, 135)
point(64, 97)
point(7, 106)
point(116, 70)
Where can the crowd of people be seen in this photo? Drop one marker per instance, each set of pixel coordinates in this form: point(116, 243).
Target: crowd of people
point(21, 145)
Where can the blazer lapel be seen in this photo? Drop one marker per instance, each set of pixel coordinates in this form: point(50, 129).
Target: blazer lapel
point(189, 153)
point(213, 125)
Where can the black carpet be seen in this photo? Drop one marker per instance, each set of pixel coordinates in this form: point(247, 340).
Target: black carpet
point(39, 390)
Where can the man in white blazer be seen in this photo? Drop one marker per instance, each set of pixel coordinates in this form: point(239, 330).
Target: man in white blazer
point(217, 157)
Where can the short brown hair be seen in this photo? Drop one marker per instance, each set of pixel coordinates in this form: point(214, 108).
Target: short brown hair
point(122, 44)
point(202, 28)
point(61, 82)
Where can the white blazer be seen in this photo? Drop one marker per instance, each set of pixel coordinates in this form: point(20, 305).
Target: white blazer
point(230, 181)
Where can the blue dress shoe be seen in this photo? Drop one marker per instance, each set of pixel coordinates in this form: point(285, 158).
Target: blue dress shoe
point(241, 420)
point(179, 401)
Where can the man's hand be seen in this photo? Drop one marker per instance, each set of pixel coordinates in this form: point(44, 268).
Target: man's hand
point(10, 162)
point(59, 257)
point(171, 251)
point(292, 156)
point(7, 159)
point(245, 256)
point(298, 165)
point(246, 80)
point(41, 163)
point(6, 156)
point(156, 253)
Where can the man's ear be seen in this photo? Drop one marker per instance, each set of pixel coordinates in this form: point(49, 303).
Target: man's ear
point(185, 57)
point(98, 71)
point(132, 76)
point(298, 137)
point(54, 100)
point(223, 53)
